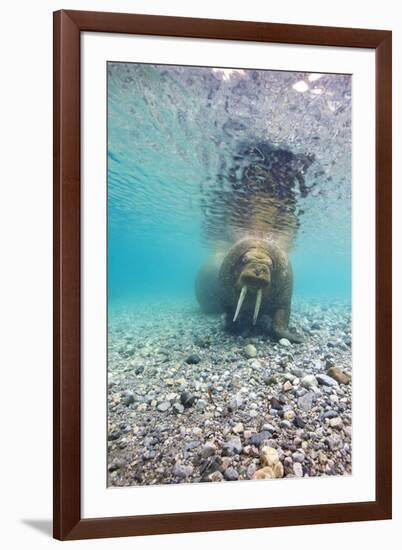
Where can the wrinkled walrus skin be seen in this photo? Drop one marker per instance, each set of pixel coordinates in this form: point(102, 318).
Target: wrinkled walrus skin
point(256, 279)
point(207, 285)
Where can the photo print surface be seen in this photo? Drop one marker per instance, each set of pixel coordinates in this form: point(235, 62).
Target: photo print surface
point(229, 275)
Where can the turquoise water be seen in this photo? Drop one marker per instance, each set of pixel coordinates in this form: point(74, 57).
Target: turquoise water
point(175, 136)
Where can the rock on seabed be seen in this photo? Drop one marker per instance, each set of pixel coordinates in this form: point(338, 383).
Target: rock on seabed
point(337, 374)
point(250, 351)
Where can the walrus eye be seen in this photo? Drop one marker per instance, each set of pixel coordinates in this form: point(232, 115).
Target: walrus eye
point(244, 259)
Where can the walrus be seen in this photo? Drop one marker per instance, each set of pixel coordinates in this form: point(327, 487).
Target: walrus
point(255, 206)
point(207, 285)
point(256, 279)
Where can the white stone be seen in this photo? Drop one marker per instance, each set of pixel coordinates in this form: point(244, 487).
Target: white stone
point(269, 456)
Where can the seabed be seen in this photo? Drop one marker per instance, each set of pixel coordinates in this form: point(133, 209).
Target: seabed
point(188, 402)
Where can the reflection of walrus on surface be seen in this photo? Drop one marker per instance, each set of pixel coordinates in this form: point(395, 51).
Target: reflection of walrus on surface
point(253, 278)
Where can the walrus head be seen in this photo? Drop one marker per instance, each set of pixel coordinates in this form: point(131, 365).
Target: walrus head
point(255, 269)
point(247, 272)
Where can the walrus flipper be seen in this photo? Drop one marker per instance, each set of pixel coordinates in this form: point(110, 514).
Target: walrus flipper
point(281, 316)
point(281, 310)
point(280, 322)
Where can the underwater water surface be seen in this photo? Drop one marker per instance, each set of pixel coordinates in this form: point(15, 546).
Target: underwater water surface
point(173, 133)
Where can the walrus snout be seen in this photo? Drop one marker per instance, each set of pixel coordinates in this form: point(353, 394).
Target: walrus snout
point(255, 277)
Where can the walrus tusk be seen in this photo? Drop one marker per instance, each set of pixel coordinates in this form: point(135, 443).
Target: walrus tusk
point(240, 302)
point(257, 306)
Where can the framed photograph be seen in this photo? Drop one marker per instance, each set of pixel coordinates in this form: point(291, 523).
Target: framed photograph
point(222, 274)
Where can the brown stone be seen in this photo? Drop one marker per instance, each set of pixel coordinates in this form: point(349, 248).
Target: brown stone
point(278, 470)
point(337, 374)
point(264, 473)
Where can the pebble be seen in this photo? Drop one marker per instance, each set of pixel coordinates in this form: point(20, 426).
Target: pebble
point(238, 428)
point(325, 380)
point(251, 469)
point(263, 473)
point(187, 399)
point(193, 359)
point(164, 406)
point(178, 408)
point(236, 403)
point(309, 381)
point(285, 342)
point(115, 465)
point(336, 422)
point(276, 404)
point(299, 422)
point(335, 442)
point(348, 431)
point(149, 455)
point(232, 447)
point(215, 476)
point(287, 386)
point(299, 373)
point(226, 462)
point(333, 399)
point(289, 415)
point(337, 374)
point(330, 414)
point(298, 469)
point(209, 449)
point(250, 351)
point(298, 456)
point(112, 436)
point(268, 428)
point(270, 380)
point(259, 438)
point(269, 456)
point(182, 471)
point(279, 470)
point(269, 472)
point(305, 402)
point(129, 398)
point(285, 424)
point(231, 474)
point(211, 464)
point(201, 405)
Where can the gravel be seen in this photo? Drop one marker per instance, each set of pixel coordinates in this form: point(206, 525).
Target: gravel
point(189, 402)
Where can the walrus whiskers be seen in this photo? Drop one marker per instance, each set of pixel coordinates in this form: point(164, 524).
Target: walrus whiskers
point(257, 306)
point(240, 302)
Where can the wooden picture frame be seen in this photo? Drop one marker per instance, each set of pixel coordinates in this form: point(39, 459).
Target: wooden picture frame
point(68, 26)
